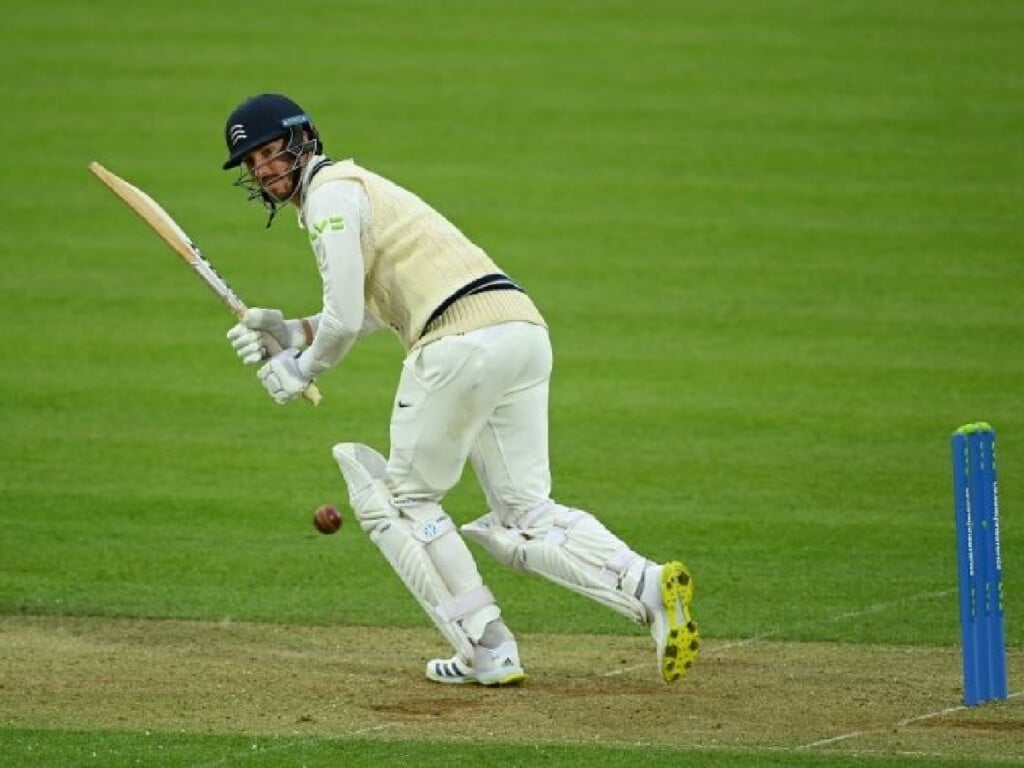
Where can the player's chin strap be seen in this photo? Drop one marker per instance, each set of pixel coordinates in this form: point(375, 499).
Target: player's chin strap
point(569, 547)
point(271, 207)
point(420, 542)
point(254, 191)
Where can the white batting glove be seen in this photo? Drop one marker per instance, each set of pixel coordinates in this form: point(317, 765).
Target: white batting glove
point(248, 337)
point(281, 377)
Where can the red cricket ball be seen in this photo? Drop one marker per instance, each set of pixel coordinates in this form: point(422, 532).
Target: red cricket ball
point(327, 519)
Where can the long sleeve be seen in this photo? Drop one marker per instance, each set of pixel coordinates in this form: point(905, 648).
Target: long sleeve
point(334, 216)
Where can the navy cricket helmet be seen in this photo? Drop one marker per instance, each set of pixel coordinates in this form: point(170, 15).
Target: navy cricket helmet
point(264, 118)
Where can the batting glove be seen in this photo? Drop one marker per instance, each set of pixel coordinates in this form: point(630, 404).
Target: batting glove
point(249, 337)
point(282, 378)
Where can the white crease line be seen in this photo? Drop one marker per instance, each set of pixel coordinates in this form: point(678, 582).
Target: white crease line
point(881, 607)
point(626, 670)
point(839, 617)
point(743, 643)
point(869, 611)
point(833, 740)
point(947, 711)
point(930, 715)
point(901, 724)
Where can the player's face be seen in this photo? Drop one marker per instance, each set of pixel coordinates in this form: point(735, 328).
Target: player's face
point(271, 167)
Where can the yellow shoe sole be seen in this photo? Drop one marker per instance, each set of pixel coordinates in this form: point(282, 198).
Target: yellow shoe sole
point(682, 646)
point(512, 678)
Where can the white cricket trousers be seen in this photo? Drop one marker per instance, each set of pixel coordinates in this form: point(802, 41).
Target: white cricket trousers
point(481, 396)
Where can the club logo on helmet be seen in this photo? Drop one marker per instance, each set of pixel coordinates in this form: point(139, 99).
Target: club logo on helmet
point(237, 133)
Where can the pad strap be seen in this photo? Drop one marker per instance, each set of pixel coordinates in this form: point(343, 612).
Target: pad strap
point(617, 566)
point(612, 571)
point(459, 607)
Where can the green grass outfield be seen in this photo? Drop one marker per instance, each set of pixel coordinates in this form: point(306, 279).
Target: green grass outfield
point(779, 245)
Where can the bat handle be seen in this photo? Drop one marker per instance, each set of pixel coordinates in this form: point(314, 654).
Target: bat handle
point(311, 393)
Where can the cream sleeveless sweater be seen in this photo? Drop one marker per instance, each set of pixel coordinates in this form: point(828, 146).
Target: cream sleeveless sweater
point(415, 259)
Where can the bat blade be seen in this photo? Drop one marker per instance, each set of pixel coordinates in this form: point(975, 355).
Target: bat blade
point(168, 229)
point(171, 233)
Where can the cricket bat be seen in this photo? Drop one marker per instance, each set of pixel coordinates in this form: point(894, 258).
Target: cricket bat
point(172, 234)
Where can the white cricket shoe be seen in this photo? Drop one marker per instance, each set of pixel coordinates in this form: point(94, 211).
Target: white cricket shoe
point(499, 666)
point(674, 631)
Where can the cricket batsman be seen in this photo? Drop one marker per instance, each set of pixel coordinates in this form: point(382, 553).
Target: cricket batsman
point(473, 386)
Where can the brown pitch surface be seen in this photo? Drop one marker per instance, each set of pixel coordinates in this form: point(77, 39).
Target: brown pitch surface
point(137, 675)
